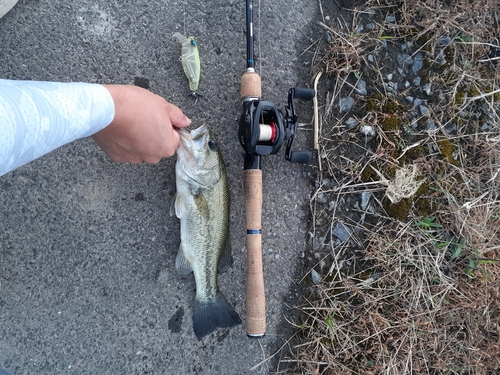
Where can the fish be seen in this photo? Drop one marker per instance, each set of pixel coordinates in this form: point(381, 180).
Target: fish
point(190, 61)
point(202, 205)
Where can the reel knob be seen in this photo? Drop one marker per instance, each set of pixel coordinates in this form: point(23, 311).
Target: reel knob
point(300, 157)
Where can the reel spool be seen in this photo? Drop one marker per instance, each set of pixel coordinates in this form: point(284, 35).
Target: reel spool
point(263, 128)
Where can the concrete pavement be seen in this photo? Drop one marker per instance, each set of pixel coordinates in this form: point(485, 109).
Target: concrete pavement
point(87, 247)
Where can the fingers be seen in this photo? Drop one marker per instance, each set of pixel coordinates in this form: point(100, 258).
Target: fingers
point(172, 143)
point(144, 126)
point(178, 118)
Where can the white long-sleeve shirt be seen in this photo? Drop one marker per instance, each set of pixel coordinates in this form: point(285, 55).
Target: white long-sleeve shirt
point(38, 117)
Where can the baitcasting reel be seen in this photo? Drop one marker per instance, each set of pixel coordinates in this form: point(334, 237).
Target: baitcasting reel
point(263, 128)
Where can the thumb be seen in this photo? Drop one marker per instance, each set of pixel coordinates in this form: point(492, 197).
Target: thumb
point(178, 118)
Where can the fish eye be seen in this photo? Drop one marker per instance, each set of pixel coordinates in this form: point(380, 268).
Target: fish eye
point(212, 145)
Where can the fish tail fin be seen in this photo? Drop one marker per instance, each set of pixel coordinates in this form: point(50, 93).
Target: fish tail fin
point(216, 312)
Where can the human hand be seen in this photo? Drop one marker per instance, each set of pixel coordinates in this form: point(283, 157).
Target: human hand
point(143, 126)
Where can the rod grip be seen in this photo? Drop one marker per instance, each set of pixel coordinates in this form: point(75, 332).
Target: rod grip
point(255, 297)
point(250, 85)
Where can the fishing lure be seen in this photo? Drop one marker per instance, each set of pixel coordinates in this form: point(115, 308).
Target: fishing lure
point(190, 61)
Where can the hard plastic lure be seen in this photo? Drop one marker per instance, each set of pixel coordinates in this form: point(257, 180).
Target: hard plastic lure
point(190, 61)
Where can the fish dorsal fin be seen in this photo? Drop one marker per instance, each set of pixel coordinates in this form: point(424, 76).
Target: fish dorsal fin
point(182, 265)
point(226, 257)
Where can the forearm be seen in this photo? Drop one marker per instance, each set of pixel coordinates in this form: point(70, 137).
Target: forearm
point(38, 117)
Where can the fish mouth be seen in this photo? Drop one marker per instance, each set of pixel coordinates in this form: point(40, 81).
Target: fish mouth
point(194, 139)
point(190, 154)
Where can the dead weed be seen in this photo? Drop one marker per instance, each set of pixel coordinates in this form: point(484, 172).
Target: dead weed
point(417, 294)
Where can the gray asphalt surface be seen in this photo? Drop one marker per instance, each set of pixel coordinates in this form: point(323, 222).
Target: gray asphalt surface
point(87, 247)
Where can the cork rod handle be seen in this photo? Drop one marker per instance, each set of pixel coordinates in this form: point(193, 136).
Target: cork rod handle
point(255, 297)
point(250, 85)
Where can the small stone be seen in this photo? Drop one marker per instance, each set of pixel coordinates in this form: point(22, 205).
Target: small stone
point(409, 99)
point(423, 110)
point(388, 76)
point(270, 250)
point(431, 125)
point(346, 104)
point(361, 87)
point(331, 206)
point(320, 198)
point(418, 62)
point(407, 84)
point(416, 81)
point(315, 276)
point(417, 102)
point(444, 40)
point(341, 232)
point(404, 60)
point(390, 18)
point(276, 256)
point(451, 128)
point(370, 58)
point(351, 123)
point(365, 200)
point(427, 88)
point(368, 130)
point(441, 58)
point(485, 127)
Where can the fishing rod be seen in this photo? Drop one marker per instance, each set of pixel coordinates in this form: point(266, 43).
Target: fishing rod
point(262, 131)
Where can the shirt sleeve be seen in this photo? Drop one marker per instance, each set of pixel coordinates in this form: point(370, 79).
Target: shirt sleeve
point(38, 117)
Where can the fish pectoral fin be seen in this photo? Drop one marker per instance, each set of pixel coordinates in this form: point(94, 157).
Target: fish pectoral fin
point(213, 313)
point(172, 205)
point(182, 265)
point(176, 206)
point(226, 257)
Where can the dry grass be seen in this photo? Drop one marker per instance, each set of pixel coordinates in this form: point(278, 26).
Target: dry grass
point(418, 294)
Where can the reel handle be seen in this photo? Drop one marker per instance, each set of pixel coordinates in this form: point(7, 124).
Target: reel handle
point(303, 93)
point(255, 295)
point(300, 157)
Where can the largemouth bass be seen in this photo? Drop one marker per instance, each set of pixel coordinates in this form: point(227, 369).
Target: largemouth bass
point(202, 205)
